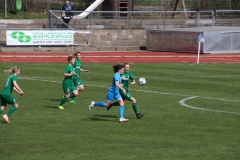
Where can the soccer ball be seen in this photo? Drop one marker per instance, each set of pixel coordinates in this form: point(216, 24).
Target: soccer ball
point(142, 81)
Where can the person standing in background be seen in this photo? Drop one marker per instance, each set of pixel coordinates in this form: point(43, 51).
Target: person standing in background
point(67, 7)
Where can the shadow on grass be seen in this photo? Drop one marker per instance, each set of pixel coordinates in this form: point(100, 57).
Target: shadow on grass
point(55, 107)
point(97, 117)
point(58, 100)
point(107, 116)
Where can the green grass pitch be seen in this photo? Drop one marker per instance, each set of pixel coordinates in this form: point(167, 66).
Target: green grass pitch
point(192, 112)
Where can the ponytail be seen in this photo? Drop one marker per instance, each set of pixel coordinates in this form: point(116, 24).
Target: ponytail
point(12, 70)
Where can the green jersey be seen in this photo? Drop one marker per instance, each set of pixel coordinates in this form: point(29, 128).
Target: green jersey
point(126, 76)
point(9, 85)
point(68, 79)
point(77, 65)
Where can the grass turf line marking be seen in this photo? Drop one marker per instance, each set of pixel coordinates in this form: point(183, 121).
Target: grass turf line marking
point(182, 102)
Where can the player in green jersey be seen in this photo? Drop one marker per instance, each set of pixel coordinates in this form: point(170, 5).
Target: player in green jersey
point(76, 78)
point(126, 76)
point(67, 84)
point(6, 94)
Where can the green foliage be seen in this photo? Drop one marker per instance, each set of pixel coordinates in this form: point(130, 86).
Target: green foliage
point(38, 9)
point(24, 15)
point(191, 4)
point(168, 131)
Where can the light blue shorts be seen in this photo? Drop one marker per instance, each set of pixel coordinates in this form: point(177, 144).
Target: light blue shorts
point(113, 95)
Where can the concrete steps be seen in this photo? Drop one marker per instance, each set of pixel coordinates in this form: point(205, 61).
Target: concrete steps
point(69, 49)
point(100, 40)
point(106, 35)
point(95, 24)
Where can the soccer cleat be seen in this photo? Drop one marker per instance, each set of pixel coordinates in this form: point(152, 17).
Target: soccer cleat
point(109, 107)
point(6, 118)
point(73, 101)
point(123, 120)
point(91, 105)
point(139, 115)
point(60, 107)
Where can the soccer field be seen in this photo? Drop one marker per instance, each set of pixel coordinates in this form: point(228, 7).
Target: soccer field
point(191, 113)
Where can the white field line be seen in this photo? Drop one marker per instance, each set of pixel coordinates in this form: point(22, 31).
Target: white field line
point(221, 76)
point(213, 76)
point(235, 60)
point(182, 102)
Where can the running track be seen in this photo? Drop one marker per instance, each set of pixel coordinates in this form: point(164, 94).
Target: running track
point(119, 57)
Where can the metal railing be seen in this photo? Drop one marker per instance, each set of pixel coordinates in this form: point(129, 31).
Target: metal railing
point(145, 19)
point(132, 20)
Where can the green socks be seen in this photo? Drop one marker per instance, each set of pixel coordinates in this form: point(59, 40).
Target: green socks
point(1, 111)
point(135, 108)
point(64, 100)
point(11, 110)
point(72, 96)
point(115, 104)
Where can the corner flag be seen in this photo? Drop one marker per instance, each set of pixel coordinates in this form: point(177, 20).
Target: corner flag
point(200, 38)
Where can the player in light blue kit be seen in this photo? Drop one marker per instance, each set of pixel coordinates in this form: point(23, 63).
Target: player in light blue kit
point(127, 76)
point(113, 93)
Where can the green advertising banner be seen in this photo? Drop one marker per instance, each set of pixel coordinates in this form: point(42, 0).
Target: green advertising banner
point(40, 38)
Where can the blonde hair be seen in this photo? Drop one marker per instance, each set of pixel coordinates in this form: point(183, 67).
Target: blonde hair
point(12, 70)
point(72, 52)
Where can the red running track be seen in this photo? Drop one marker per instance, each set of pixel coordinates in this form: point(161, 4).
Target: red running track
point(119, 57)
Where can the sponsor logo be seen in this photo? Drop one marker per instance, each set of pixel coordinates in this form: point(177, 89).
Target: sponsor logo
point(21, 37)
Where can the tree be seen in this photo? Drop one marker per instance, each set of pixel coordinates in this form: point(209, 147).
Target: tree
point(88, 2)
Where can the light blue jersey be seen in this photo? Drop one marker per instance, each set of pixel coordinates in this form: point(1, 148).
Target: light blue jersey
point(116, 77)
point(113, 91)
